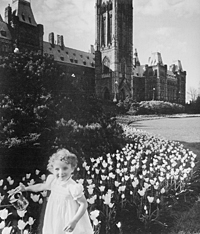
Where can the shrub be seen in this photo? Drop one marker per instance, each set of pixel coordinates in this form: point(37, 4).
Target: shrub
point(159, 107)
point(91, 140)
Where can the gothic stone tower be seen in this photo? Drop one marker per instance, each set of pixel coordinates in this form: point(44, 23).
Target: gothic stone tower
point(114, 49)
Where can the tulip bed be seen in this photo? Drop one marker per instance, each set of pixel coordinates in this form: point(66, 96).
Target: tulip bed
point(126, 191)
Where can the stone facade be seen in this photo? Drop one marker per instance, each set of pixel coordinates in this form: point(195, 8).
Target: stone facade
point(110, 70)
point(114, 45)
point(154, 81)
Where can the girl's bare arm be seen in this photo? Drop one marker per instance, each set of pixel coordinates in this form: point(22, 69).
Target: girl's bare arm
point(35, 187)
point(80, 212)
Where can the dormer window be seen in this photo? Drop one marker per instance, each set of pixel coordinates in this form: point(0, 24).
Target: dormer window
point(23, 17)
point(29, 18)
point(3, 33)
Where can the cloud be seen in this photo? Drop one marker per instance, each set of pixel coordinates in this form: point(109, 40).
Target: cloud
point(74, 19)
point(158, 7)
point(151, 7)
point(187, 8)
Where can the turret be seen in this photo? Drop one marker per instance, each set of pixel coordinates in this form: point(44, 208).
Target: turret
point(8, 14)
point(136, 61)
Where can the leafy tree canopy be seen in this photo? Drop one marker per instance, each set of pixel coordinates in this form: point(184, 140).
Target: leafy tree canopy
point(35, 93)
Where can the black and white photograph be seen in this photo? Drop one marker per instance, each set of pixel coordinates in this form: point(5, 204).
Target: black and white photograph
point(99, 117)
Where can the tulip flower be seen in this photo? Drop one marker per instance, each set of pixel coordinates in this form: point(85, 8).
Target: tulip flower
point(4, 214)
point(94, 214)
point(2, 224)
point(28, 176)
point(7, 230)
point(35, 197)
point(37, 172)
point(21, 224)
point(31, 221)
point(21, 213)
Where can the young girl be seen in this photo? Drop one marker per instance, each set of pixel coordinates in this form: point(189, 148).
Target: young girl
point(66, 209)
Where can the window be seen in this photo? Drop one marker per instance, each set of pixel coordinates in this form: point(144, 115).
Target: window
point(62, 58)
point(123, 66)
point(106, 65)
point(110, 29)
point(23, 17)
point(29, 18)
point(3, 33)
point(103, 31)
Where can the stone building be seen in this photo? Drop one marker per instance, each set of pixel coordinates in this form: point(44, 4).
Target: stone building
point(155, 81)
point(110, 70)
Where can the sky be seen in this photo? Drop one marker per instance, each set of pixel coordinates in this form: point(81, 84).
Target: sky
point(171, 27)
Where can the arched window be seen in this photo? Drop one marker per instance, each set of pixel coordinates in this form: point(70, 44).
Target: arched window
point(106, 65)
point(123, 66)
point(122, 94)
point(103, 30)
point(110, 29)
point(106, 94)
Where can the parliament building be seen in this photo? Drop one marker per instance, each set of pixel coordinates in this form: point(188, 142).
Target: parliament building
point(111, 69)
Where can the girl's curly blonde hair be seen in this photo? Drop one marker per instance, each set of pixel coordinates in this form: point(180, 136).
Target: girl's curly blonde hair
point(62, 155)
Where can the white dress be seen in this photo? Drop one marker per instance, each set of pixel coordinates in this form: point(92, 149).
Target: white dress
point(62, 206)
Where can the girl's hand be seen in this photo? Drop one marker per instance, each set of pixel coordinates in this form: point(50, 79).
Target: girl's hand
point(20, 188)
point(70, 227)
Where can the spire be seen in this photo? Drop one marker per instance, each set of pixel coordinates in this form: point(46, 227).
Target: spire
point(136, 61)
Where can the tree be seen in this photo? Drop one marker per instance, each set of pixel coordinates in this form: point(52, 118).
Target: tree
point(193, 94)
point(34, 94)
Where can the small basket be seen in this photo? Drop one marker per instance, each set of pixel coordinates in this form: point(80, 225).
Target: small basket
point(18, 201)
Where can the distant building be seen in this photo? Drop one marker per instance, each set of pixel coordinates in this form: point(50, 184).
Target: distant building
point(154, 81)
point(111, 70)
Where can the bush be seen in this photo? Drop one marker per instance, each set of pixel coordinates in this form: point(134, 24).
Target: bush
point(92, 140)
point(159, 107)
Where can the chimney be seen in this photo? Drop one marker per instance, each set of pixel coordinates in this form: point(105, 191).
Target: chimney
point(92, 51)
point(51, 39)
point(8, 14)
point(60, 41)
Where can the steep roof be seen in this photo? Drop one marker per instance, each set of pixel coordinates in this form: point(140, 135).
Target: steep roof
point(155, 59)
point(4, 31)
point(176, 66)
point(139, 71)
point(69, 55)
point(1, 18)
point(22, 9)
